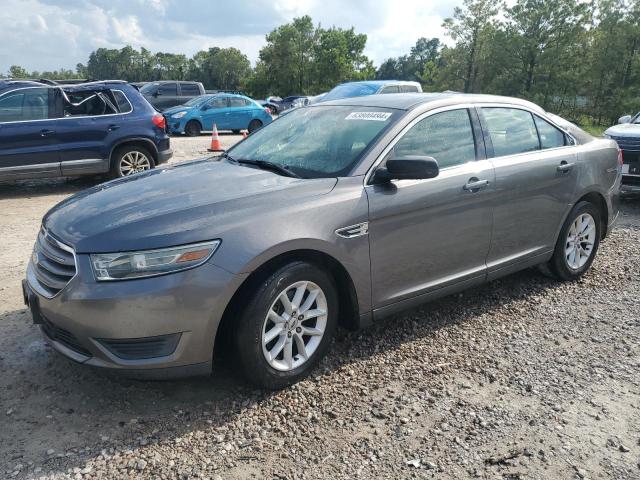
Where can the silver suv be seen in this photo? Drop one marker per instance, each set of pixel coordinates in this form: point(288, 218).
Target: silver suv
point(336, 214)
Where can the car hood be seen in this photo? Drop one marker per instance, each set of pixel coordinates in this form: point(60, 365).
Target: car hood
point(624, 130)
point(179, 204)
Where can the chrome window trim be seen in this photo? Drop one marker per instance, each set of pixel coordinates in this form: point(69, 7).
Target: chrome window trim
point(18, 168)
point(63, 118)
point(406, 128)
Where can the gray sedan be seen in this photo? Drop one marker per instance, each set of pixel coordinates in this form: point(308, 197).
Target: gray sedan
point(340, 213)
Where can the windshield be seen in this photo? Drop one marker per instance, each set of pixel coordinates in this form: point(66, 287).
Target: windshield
point(317, 142)
point(349, 90)
point(149, 87)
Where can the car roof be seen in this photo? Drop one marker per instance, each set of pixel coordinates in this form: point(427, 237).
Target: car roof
point(409, 101)
point(380, 83)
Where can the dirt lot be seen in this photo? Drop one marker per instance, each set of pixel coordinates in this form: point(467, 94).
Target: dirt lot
point(522, 378)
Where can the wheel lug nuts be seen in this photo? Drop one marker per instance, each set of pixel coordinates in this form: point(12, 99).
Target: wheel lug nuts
point(289, 334)
point(298, 329)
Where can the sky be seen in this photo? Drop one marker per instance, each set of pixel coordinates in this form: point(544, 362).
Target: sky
point(52, 34)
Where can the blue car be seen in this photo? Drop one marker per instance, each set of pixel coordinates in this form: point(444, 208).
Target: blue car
point(226, 111)
point(49, 130)
point(369, 87)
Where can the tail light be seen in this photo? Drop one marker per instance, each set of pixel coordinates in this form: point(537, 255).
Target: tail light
point(159, 121)
point(620, 157)
point(266, 109)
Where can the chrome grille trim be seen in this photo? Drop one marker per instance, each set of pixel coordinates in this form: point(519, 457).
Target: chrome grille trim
point(53, 265)
point(353, 231)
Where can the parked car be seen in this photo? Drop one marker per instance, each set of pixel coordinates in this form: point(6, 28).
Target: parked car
point(228, 112)
point(343, 212)
point(627, 135)
point(369, 87)
point(86, 129)
point(168, 93)
point(277, 105)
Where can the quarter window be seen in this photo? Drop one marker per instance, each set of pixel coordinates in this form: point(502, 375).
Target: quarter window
point(550, 136)
point(512, 130)
point(123, 104)
point(26, 104)
point(446, 136)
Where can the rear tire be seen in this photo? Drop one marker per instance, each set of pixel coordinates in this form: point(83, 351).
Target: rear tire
point(192, 128)
point(254, 125)
point(278, 342)
point(130, 159)
point(577, 244)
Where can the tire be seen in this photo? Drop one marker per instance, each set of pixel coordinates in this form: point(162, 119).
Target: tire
point(255, 324)
point(571, 266)
point(272, 109)
point(192, 128)
point(254, 125)
point(130, 159)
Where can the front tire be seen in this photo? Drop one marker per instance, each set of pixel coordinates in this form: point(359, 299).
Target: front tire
point(578, 243)
point(192, 128)
point(287, 327)
point(128, 160)
point(254, 125)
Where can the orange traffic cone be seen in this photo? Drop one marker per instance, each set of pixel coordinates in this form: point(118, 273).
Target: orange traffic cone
point(215, 141)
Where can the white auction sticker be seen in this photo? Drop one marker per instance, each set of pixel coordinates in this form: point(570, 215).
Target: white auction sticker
point(375, 116)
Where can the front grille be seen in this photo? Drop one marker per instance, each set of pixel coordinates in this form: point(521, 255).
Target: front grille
point(64, 337)
point(631, 181)
point(53, 264)
point(141, 348)
point(628, 144)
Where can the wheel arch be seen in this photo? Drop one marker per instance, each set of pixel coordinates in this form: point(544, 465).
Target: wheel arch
point(196, 120)
point(596, 198)
point(135, 141)
point(348, 298)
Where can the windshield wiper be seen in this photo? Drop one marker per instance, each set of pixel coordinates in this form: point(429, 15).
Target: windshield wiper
point(266, 165)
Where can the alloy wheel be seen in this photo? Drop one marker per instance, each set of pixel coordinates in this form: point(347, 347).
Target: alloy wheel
point(580, 241)
point(134, 162)
point(294, 326)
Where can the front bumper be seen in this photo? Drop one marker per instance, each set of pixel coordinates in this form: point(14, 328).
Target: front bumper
point(630, 185)
point(125, 325)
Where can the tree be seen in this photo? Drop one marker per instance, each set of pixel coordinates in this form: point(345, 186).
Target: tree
point(16, 71)
point(220, 68)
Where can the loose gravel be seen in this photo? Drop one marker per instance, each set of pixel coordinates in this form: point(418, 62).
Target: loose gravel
point(524, 377)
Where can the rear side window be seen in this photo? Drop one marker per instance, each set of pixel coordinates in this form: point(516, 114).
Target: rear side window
point(550, 136)
point(168, 89)
point(447, 137)
point(237, 102)
point(123, 104)
point(23, 105)
point(189, 90)
point(512, 130)
point(408, 89)
point(218, 102)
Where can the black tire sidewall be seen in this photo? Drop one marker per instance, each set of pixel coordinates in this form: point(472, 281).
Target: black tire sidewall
point(248, 332)
point(121, 152)
point(558, 262)
point(197, 129)
point(256, 125)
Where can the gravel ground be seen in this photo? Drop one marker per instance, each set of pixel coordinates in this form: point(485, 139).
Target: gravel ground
point(521, 378)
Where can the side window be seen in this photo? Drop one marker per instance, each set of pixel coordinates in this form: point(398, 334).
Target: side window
point(123, 104)
point(237, 102)
point(168, 89)
point(550, 136)
point(26, 104)
point(391, 89)
point(512, 130)
point(189, 90)
point(447, 137)
point(408, 89)
point(218, 102)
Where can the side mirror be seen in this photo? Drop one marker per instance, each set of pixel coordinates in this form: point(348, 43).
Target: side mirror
point(413, 167)
point(625, 119)
point(204, 108)
point(156, 93)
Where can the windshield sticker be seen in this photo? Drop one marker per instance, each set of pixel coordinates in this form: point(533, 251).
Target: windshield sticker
point(374, 116)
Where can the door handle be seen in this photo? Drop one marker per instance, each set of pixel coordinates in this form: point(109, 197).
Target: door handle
point(565, 167)
point(46, 133)
point(473, 185)
point(113, 127)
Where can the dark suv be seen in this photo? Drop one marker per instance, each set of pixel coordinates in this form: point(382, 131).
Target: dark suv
point(65, 130)
point(168, 93)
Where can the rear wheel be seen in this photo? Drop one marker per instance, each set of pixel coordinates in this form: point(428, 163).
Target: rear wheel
point(192, 128)
point(128, 160)
point(254, 125)
point(577, 244)
point(287, 327)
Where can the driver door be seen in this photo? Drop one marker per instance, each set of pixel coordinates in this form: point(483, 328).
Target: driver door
point(426, 235)
point(216, 112)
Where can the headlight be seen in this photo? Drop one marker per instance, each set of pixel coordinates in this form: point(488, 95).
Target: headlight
point(606, 135)
point(179, 114)
point(149, 263)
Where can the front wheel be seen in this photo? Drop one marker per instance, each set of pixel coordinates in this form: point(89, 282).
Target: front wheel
point(287, 327)
point(192, 128)
point(577, 244)
point(254, 125)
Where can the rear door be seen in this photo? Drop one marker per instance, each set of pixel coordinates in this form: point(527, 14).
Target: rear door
point(430, 234)
point(239, 113)
point(536, 176)
point(29, 144)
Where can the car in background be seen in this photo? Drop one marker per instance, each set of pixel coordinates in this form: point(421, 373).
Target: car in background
point(277, 105)
point(226, 111)
point(168, 93)
point(85, 129)
point(369, 87)
point(338, 213)
point(627, 136)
